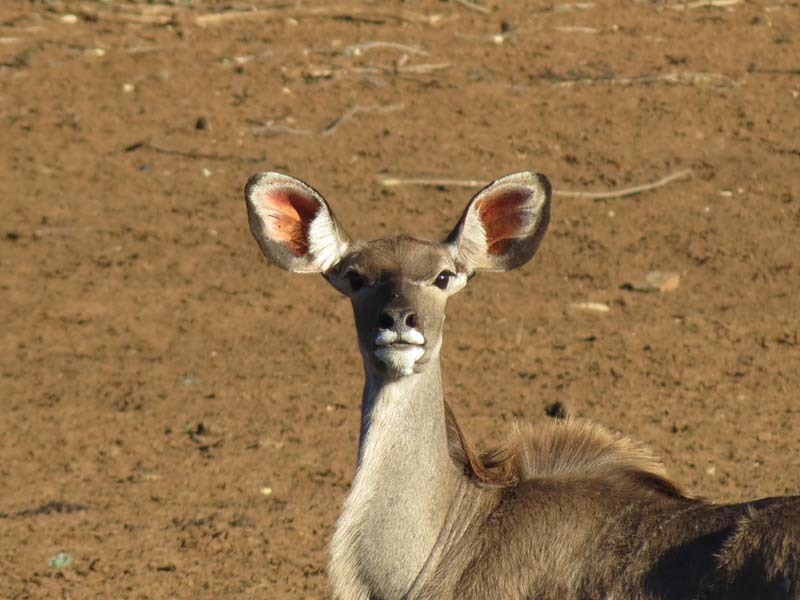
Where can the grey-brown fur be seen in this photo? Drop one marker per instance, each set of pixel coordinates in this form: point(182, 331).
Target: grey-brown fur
point(597, 518)
point(566, 511)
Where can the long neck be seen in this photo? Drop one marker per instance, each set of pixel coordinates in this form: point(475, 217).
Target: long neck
point(405, 482)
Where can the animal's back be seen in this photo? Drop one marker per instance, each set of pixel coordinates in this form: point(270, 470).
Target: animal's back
point(593, 515)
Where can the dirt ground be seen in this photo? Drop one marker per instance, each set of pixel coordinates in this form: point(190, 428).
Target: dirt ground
point(180, 420)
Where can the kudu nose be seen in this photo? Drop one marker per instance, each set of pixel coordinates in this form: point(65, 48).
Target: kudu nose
point(392, 317)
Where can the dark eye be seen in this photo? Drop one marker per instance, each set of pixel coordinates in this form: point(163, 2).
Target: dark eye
point(443, 279)
point(356, 280)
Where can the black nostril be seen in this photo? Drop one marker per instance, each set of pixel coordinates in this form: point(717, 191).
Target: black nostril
point(411, 319)
point(385, 321)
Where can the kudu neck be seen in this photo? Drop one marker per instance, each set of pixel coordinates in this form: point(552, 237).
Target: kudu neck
point(405, 480)
point(418, 397)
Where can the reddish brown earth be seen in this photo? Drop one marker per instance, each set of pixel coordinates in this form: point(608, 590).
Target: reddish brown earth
point(156, 375)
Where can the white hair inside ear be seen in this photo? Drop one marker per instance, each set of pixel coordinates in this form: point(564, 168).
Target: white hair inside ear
point(293, 225)
point(325, 244)
point(503, 224)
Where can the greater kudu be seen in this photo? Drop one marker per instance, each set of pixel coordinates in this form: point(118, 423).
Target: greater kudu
point(566, 511)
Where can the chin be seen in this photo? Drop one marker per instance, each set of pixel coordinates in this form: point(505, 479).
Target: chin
point(399, 362)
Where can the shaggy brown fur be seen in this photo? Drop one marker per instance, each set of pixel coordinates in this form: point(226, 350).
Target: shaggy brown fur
point(559, 447)
point(607, 523)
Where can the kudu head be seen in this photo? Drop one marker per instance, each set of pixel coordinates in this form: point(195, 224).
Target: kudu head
point(398, 285)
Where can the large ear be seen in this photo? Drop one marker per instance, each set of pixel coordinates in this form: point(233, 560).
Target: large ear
point(292, 224)
point(503, 224)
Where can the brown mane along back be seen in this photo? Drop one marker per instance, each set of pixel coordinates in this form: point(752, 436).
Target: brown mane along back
point(558, 448)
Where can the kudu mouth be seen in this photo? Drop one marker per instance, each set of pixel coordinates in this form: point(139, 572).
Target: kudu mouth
point(399, 350)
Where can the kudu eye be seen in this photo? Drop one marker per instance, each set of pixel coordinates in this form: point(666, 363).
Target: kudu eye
point(356, 280)
point(443, 279)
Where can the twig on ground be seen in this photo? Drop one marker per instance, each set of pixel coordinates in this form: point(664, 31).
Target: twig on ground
point(473, 183)
point(631, 191)
point(133, 18)
point(576, 29)
point(424, 69)
point(473, 6)
point(703, 4)
point(190, 154)
point(372, 70)
point(352, 13)
point(155, 15)
point(8, 27)
point(143, 49)
point(359, 49)
point(425, 182)
point(357, 110)
point(776, 72)
point(271, 130)
point(686, 78)
point(573, 6)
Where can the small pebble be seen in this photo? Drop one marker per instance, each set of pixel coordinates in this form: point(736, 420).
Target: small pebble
point(266, 491)
point(663, 281)
point(69, 19)
point(655, 281)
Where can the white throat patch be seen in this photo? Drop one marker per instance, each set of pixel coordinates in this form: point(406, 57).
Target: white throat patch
point(401, 359)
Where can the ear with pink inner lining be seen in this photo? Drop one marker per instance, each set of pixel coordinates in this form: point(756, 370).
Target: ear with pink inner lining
point(503, 224)
point(293, 225)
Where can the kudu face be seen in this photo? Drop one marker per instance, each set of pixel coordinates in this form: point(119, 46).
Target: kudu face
point(398, 286)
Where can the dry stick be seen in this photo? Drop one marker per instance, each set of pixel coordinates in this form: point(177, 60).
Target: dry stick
point(143, 17)
point(190, 154)
point(272, 130)
point(704, 4)
point(574, 6)
point(637, 189)
point(319, 11)
point(472, 183)
point(576, 29)
point(671, 77)
point(357, 110)
point(472, 6)
point(8, 27)
point(424, 69)
point(776, 71)
point(359, 49)
point(398, 181)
